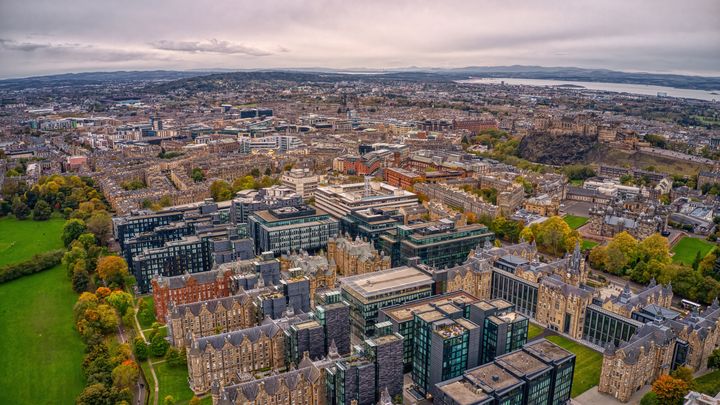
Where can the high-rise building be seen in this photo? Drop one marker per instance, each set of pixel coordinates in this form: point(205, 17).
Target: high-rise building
point(288, 229)
point(503, 329)
point(302, 181)
point(368, 293)
point(248, 201)
point(340, 200)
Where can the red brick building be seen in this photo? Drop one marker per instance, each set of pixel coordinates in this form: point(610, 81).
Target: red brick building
point(476, 125)
point(189, 288)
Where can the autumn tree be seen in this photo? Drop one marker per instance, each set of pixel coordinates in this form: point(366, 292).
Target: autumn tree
point(120, 300)
point(220, 190)
point(125, 375)
point(112, 270)
point(670, 390)
point(553, 236)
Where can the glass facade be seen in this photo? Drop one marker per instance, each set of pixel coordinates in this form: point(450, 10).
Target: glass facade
point(563, 383)
point(602, 327)
point(516, 291)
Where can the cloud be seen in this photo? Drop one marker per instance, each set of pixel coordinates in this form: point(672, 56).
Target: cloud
point(211, 46)
point(21, 46)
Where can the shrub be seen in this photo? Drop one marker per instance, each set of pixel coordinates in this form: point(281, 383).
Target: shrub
point(38, 263)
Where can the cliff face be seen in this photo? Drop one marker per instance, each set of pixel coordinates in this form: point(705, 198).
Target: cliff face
point(556, 149)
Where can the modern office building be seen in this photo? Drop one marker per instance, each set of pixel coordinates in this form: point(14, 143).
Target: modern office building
point(402, 317)
point(369, 224)
point(191, 254)
point(340, 200)
point(248, 201)
point(289, 229)
point(444, 349)
point(334, 315)
point(503, 329)
point(540, 373)
point(438, 244)
point(368, 293)
point(302, 181)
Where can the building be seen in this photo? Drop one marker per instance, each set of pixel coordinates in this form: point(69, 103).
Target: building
point(334, 315)
point(657, 348)
point(317, 269)
point(288, 229)
point(502, 330)
point(340, 200)
point(444, 349)
point(368, 293)
point(214, 284)
point(303, 385)
point(351, 257)
point(438, 244)
point(542, 205)
point(191, 254)
point(211, 317)
point(302, 181)
point(226, 357)
point(638, 217)
point(540, 373)
point(371, 223)
point(248, 201)
point(402, 317)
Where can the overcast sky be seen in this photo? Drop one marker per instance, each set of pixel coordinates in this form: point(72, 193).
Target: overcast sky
point(55, 36)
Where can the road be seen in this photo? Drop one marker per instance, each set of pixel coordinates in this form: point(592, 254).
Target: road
point(152, 369)
point(140, 390)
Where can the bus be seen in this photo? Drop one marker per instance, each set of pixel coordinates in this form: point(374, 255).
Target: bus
point(689, 305)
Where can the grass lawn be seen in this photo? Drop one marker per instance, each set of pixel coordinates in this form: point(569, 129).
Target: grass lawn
point(587, 244)
point(173, 381)
point(709, 383)
point(575, 221)
point(42, 352)
point(533, 330)
point(687, 248)
point(19, 240)
point(588, 363)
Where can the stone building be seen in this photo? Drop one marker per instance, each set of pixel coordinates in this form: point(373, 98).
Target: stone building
point(303, 386)
point(542, 205)
point(210, 317)
point(230, 357)
point(320, 273)
point(657, 348)
point(189, 288)
point(626, 303)
point(639, 218)
point(561, 306)
point(350, 257)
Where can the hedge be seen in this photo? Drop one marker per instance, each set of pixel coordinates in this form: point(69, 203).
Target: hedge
point(38, 263)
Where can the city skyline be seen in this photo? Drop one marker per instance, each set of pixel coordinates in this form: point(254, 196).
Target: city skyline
point(41, 37)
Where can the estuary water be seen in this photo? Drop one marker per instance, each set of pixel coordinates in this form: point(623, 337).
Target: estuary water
point(641, 89)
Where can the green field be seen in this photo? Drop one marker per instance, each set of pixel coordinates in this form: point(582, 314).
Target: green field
point(587, 244)
point(709, 383)
point(19, 240)
point(575, 221)
point(42, 352)
point(173, 382)
point(533, 330)
point(588, 363)
point(687, 249)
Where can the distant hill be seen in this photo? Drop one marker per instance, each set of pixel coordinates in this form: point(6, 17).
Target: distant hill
point(201, 79)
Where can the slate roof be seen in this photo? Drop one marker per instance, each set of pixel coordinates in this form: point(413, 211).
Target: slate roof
point(211, 305)
point(272, 384)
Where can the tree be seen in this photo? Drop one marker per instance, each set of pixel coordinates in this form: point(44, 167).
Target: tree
point(100, 225)
point(158, 345)
point(19, 208)
point(95, 394)
point(255, 172)
point(42, 211)
point(714, 359)
point(220, 190)
point(120, 300)
point(194, 401)
point(80, 279)
point(112, 270)
point(72, 229)
point(686, 374)
point(169, 400)
point(197, 175)
point(141, 349)
point(670, 390)
point(553, 236)
point(125, 375)
point(176, 358)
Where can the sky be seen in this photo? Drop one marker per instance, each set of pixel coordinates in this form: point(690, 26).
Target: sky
point(56, 36)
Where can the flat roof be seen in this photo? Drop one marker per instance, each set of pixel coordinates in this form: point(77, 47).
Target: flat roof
point(521, 363)
point(547, 350)
point(386, 281)
point(463, 393)
point(492, 376)
point(405, 312)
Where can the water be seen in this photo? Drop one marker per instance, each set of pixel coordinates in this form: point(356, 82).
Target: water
point(641, 89)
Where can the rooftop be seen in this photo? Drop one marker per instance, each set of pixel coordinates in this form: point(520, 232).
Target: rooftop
point(386, 281)
point(404, 312)
point(521, 363)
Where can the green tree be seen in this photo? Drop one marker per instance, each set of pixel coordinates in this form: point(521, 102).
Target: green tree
point(197, 175)
point(649, 399)
point(80, 279)
point(158, 345)
point(685, 374)
point(255, 172)
point(714, 359)
point(140, 348)
point(42, 211)
point(169, 400)
point(125, 375)
point(72, 230)
point(100, 225)
point(121, 301)
point(95, 394)
point(220, 190)
point(19, 208)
